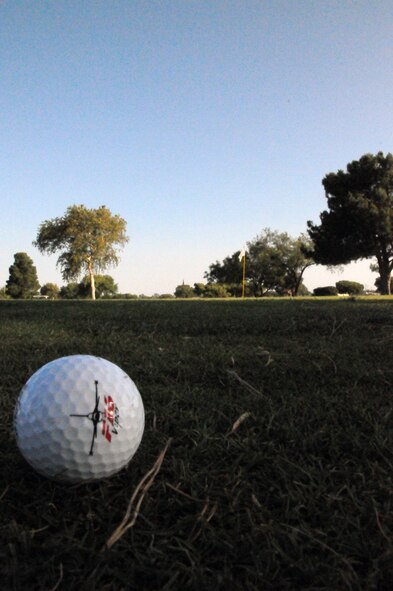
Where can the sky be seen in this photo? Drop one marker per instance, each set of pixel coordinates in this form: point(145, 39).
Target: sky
point(200, 122)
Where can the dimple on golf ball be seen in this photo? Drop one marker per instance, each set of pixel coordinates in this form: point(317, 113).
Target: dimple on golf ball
point(79, 418)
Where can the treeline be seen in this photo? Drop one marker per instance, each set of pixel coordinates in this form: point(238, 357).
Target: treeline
point(23, 283)
point(273, 262)
point(218, 290)
point(358, 224)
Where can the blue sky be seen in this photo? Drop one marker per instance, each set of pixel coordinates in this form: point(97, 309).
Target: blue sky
point(199, 122)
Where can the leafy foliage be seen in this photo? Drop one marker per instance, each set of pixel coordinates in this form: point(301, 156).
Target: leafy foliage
point(350, 287)
point(216, 290)
point(69, 291)
point(87, 239)
point(229, 271)
point(104, 284)
point(184, 291)
point(274, 262)
point(329, 290)
point(51, 290)
point(23, 280)
point(3, 294)
point(359, 221)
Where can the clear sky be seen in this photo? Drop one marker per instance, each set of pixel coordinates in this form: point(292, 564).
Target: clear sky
point(201, 122)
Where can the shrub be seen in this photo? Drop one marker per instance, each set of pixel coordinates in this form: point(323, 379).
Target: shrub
point(351, 287)
point(216, 290)
point(329, 290)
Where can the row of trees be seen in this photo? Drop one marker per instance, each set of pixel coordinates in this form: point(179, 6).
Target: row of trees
point(23, 283)
point(358, 224)
point(274, 262)
point(221, 290)
point(88, 241)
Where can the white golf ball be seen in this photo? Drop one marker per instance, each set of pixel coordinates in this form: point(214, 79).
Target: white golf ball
point(79, 418)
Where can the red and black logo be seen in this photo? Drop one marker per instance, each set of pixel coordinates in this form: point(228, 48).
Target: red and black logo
point(109, 418)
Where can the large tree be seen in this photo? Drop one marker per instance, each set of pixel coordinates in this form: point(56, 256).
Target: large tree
point(274, 261)
point(278, 261)
point(88, 240)
point(23, 280)
point(359, 221)
point(229, 271)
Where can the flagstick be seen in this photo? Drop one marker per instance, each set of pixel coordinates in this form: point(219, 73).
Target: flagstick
point(244, 274)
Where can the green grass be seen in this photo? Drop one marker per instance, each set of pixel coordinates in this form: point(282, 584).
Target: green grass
point(298, 496)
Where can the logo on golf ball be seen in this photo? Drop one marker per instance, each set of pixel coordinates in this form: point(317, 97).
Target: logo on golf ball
point(109, 417)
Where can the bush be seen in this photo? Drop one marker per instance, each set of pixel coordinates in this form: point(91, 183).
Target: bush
point(350, 287)
point(329, 290)
point(216, 290)
point(3, 294)
point(184, 291)
point(51, 290)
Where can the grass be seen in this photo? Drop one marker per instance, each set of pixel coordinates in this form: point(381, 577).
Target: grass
point(279, 470)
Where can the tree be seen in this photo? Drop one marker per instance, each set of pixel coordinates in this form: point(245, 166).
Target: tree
point(87, 238)
point(229, 271)
point(216, 290)
point(350, 287)
point(359, 221)
point(276, 261)
point(377, 284)
point(51, 290)
point(104, 284)
point(3, 294)
point(199, 289)
point(184, 291)
point(69, 291)
point(23, 280)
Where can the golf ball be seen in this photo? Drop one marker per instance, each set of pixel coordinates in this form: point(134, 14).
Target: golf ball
point(79, 418)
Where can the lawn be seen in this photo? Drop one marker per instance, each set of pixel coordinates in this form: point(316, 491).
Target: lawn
point(276, 421)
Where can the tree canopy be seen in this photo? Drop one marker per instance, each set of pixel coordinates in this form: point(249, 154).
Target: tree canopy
point(23, 280)
point(358, 223)
point(88, 240)
point(274, 262)
point(229, 271)
point(277, 261)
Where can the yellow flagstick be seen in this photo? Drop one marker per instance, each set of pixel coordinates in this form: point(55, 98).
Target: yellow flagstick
point(244, 274)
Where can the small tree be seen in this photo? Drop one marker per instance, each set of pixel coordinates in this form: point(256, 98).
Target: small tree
point(51, 290)
point(23, 280)
point(350, 287)
point(87, 238)
point(184, 291)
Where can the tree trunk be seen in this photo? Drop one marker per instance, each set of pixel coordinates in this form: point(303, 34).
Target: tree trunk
point(92, 282)
point(385, 274)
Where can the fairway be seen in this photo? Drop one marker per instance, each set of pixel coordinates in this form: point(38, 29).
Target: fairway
point(277, 417)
